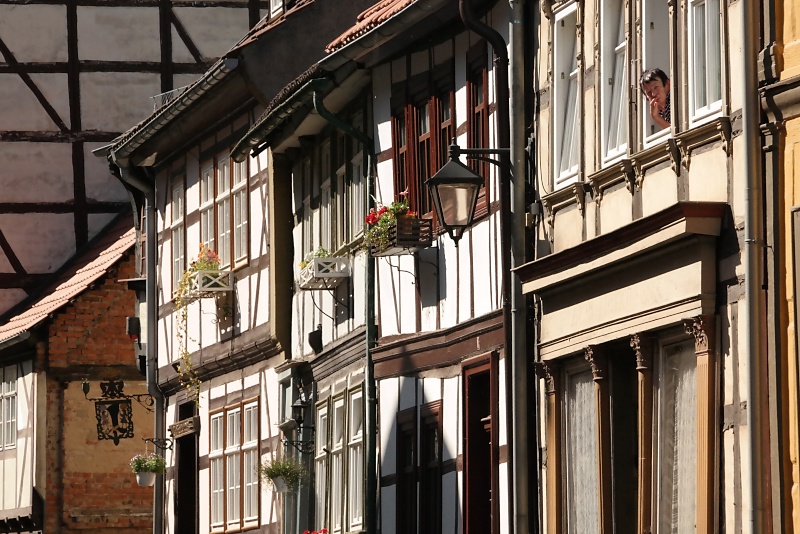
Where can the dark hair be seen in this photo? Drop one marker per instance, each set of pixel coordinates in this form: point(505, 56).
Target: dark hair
point(651, 75)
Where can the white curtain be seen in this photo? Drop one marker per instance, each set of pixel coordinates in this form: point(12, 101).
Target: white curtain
point(678, 441)
point(582, 506)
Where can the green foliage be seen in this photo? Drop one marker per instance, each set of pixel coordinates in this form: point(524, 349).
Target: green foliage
point(292, 471)
point(148, 463)
point(381, 221)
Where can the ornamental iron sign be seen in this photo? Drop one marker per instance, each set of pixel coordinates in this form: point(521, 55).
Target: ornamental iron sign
point(114, 411)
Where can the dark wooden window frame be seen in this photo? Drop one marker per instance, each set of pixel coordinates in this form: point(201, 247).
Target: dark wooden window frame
point(478, 117)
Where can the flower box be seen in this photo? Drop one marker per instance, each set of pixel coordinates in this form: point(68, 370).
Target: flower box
point(324, 273)
point(208, 283)
point(407, 236)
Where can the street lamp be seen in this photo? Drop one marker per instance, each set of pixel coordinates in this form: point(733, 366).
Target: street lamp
point(454, 190)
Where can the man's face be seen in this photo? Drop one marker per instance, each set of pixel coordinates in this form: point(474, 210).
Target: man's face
point(656, 91)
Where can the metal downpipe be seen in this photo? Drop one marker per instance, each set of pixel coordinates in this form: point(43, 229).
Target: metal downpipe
point(151, 295)
point(371, 489)
point(755, 494)
point(512, 231)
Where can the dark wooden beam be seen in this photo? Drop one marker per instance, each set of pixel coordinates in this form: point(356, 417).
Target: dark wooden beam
point(60, 207)
point(92, 136)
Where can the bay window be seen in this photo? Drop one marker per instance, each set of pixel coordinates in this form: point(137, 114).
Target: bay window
point(355, 461)
point(321, 465)
point(656, 45)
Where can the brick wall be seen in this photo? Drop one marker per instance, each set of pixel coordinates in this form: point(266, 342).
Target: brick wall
point(90, 487)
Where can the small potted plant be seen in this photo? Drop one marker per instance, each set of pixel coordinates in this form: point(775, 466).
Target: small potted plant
point(285, 474)
point(146, 467)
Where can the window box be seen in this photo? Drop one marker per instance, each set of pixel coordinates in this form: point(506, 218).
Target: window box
point(205, 284)
point(324, 273)
point(407, 236)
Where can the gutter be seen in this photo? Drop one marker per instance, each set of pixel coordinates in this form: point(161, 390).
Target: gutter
point(512, 232)
point(371, 486)
point(14, 340)
point(754, 494)
point(151, 357)
point(126, 146)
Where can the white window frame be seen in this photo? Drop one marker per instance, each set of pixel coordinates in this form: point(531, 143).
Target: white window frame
point(177, 214)
point(276, 6)
point(208, 230)
point(321, 464)
point(233, 465)
point(241, 212)
point(250, 478)
point(216, 471)
point(614, 81)
point(222, 207)
point(566, 92)
point(656, 54)
point(705, 88)
point(666, 469)
point(355, 460)
point(8, 407)
point(339, 420)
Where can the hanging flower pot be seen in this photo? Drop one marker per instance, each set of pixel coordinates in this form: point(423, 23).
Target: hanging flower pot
point(145, 478)
point(281, 486)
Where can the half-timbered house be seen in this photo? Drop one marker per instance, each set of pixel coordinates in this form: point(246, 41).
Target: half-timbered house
point(361, 133)
point(218, 260)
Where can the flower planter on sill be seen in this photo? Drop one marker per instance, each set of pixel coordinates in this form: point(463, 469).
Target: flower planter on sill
point(407, 236)
point(204, 284)
point(324, 273)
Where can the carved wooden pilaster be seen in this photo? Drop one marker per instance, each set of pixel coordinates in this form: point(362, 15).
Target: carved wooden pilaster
point(550, 373)
point(597, 360)
point(702, 329)
point(642, 346)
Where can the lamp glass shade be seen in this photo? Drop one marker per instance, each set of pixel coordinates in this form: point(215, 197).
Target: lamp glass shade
point(454, 191)
point(458, 202)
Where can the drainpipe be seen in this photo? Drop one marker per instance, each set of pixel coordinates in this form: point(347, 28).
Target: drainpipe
point(757, 403)
point(371, 490)
point(512, 231)
point(128, 177)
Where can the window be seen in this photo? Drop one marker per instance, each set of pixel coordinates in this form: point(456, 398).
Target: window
point(655, 55)
point(565, 95)
point(217, 471)
point(233, 460)
point(8, 407)
point(614, 81)
point(581, 453)
point(208, 232)
point(177, 234)
point(337, 440)
point(419, 469)
point(677, 472)
point(478, 116)
point(355, 461)
point(705, 94)
point(339, 465)
point(652, 402)
point(422, 119)
point(321, 465)
point(224, 209)
point(241, 213)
